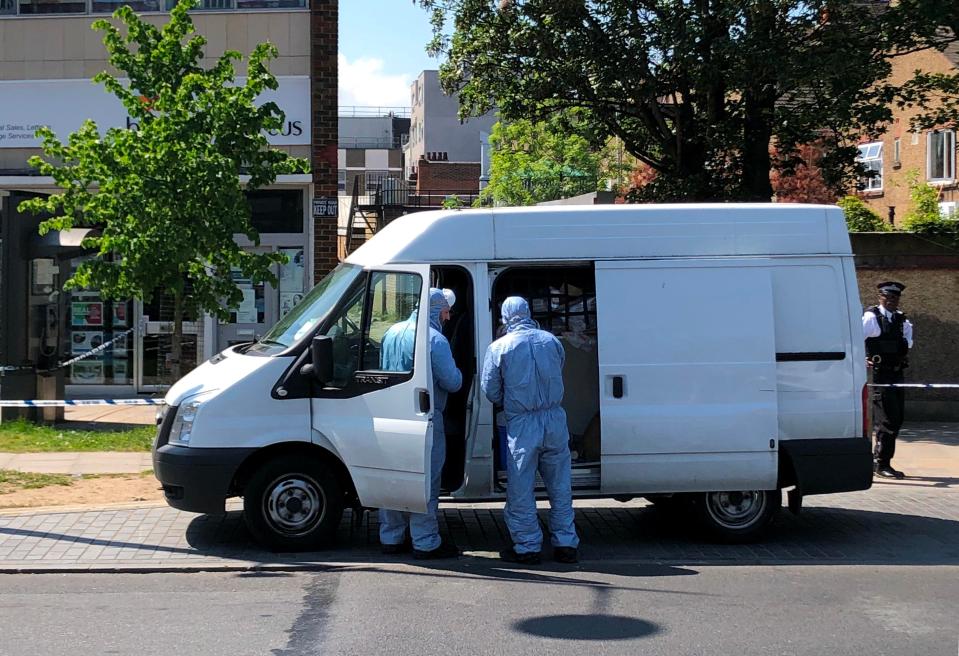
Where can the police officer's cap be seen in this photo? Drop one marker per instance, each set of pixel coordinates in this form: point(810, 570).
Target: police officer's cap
point(890, 287)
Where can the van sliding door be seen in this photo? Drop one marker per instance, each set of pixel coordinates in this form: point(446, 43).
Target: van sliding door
point(687, 364)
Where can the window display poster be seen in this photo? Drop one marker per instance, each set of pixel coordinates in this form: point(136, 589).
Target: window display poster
point(87, 372)
point(292, 273)
point(119, 315)
point(87, 313)
point(121, 373)
point(82, 341)
point(246, 313)
point(288, 301)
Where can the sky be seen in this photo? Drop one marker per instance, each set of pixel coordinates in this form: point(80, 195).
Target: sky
point(382, 50)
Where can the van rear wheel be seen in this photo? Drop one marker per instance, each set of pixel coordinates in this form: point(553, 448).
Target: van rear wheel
point(293, 503)
point(736, 517)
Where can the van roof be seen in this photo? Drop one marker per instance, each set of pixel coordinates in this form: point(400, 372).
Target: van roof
point(608, 232)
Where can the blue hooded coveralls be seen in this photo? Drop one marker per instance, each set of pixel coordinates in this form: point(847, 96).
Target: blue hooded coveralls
point(397, 355)
point(523, 371)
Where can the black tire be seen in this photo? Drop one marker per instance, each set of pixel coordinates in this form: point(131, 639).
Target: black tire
point(293, 503)
point(737, 517)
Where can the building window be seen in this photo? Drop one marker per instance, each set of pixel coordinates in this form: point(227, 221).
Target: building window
point(34, 7)
point(941, 156)
point(276, 210)
point(949, 210)
point(341, 181)
point(870, 157)
point(44, 7)
point(109, 6)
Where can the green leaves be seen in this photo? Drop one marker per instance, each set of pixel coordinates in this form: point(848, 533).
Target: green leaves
point(534, 162)
point(167, 195)
point(697, 91)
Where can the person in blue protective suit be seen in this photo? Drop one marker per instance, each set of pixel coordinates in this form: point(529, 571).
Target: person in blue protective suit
point(424, 528)
point(523, 372)
point(396, 351)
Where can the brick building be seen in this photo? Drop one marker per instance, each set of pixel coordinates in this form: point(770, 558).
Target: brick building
point(900, 151)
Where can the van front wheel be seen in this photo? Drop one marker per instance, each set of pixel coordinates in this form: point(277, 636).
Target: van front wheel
point(737, 516)
point(293, 503)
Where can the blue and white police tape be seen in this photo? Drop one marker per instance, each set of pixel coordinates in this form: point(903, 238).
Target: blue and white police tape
point(918, 385)
point(44, 403)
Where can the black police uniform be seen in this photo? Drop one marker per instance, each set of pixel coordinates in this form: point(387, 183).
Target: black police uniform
point(889, 354)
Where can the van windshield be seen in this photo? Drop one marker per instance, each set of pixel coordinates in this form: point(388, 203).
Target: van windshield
point(303, 318)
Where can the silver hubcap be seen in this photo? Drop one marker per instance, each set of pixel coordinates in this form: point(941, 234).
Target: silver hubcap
point(736, 509)
point(294, 504)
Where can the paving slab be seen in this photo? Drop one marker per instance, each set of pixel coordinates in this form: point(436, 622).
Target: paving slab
point(893, 523)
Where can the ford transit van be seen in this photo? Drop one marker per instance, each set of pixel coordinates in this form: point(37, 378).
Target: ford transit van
point(714, 357)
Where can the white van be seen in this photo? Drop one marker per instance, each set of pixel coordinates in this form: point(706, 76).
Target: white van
point(714, 355)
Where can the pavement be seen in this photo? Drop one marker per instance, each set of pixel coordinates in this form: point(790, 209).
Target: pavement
point(915, 521)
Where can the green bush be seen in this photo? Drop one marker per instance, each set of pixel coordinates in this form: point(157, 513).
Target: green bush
point(860, 217)
point(924, 216)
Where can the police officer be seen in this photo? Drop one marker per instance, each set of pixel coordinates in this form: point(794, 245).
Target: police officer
point(888, 339)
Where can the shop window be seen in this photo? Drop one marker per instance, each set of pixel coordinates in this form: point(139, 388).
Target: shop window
point(109, 6)
point(941, 156)
point(870, 157)
point(8, 7)
point(276, 210)
point(292, 279)
point(94, 322)
point(270, 4)
point(33, 7)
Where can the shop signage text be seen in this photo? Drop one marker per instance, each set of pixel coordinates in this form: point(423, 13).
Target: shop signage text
point(64, 105)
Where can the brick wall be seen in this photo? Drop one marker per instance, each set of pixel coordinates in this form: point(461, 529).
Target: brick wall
point(323, 66)
point(912, 157)
point(460, 177)
point(931, 275)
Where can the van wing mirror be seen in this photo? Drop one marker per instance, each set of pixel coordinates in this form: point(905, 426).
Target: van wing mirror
point(321, 360)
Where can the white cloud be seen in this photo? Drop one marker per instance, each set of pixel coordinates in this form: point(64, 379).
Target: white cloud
point(363, 82)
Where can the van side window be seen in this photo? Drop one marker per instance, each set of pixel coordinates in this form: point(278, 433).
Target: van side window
point(346, 332)
point(391, 329)
point(375, 329)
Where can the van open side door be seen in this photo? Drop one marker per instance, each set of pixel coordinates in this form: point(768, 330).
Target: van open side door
point(687, 364)
point(378, 416)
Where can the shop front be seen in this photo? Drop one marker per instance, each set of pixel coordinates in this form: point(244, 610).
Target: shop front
point(95, 346)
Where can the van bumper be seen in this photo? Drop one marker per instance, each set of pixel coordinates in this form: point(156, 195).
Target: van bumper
point(821, 466)
point(197, 480)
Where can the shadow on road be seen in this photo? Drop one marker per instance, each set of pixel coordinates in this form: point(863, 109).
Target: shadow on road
point(819, 536)
point(586, 627)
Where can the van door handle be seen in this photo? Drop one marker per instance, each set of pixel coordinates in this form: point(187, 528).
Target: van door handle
point(617, 387)
point(424, 401)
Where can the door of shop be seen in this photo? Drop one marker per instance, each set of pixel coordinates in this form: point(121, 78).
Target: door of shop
point(154, 344)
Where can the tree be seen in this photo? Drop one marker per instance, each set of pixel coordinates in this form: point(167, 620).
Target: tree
point(167, 194)
point(804, 182)
point(860, 217)
point(924, 216)
point(697, 90)
point(535, 162)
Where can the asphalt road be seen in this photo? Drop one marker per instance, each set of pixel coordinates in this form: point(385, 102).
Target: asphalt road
point(478, 607)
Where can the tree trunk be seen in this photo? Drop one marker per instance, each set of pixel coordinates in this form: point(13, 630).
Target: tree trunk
point(756, 186)
point(177, 343)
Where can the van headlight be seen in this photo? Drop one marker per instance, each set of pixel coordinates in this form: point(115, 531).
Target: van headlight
point(182, 428)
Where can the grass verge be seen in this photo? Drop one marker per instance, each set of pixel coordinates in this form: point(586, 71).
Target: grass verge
point(11, 481)
point(22, 436)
